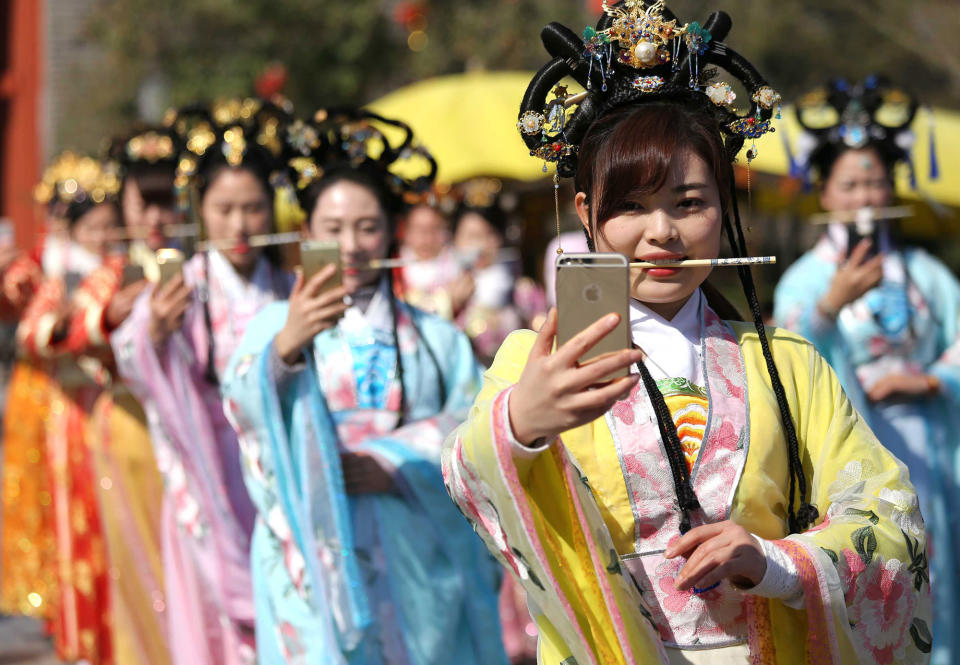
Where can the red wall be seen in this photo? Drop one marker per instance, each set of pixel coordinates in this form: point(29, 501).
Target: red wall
point(21, 84)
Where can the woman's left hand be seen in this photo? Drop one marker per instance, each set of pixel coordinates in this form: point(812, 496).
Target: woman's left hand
point(364, 474)
point(900, 385)
point(716, 552)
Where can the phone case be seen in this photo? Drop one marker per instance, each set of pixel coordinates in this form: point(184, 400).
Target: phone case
point(170, 262)
point(315, 254)
point(590, 286)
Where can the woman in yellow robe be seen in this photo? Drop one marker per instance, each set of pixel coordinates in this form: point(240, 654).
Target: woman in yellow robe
point(725, 503)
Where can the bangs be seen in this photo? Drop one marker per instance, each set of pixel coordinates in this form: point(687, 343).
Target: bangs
point(632, 152)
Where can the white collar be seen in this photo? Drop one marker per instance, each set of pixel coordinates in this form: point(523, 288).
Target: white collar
point(231, 281)
point(374, 314)
point(673, 346)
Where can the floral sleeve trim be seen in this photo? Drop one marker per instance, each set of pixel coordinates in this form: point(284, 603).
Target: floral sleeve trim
point(573, 478)
point(821, 645)
point(508, 471)
point(760, 631)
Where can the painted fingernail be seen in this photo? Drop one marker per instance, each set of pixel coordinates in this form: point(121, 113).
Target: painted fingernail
point(709, 588)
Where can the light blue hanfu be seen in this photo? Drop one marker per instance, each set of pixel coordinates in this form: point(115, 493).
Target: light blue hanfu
point(909, 323)
point(376, 579)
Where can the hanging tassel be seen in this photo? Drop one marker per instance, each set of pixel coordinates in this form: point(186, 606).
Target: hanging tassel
point(934, 164)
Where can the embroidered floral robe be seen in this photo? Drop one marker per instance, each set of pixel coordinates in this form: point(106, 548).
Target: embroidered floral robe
point(129, 484)
point(921, 432)
point(374, 579)
point(584, 522)
point(207, 515)
point(79, 609)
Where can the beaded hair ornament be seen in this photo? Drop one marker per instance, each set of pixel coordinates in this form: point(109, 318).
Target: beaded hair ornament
point(857, 115)
point(357, 139)
point(146, 145)
point(236, 131)
point(73, 178)
point(638, 53)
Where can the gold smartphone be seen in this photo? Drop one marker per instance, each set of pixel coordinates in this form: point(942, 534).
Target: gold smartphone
point(170, 262)
point(317, 254)
point(590, 286)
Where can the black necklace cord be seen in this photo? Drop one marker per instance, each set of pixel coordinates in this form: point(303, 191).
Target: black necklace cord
point(210, 372)
point(686, 497)
point(396, 342)
point(800, 519)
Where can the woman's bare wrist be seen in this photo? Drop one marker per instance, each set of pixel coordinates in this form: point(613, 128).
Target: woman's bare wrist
point(288, 352)
point(827, 308)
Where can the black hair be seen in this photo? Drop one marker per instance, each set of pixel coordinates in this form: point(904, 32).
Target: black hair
point(825, 156)
point(494, 215)
point(391, 204)
point(154, 182)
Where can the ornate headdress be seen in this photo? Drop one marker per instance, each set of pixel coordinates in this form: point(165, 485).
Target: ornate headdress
point(638, 53)
point(237, 132)
point(357, 139)
point(146, 146)
point(843, 115)
point(77, 179)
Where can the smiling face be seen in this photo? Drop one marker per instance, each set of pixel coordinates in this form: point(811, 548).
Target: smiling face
point(680, 220)
point(235, 207)
point(857, 180)
point(350, 214)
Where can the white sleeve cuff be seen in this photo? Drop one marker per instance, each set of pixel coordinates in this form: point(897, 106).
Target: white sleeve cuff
point(781, 579)
point(520, 450)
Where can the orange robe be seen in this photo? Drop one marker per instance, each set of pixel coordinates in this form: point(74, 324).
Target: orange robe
point(80, 615)
point(27, 574)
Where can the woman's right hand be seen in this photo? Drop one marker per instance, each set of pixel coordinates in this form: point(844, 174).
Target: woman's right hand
point(168, 304)
point(854, 277)
point(555, 394)
point(312, 310)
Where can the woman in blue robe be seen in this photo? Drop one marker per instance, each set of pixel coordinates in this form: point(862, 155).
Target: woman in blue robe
point(886, 318)
point(358, 556)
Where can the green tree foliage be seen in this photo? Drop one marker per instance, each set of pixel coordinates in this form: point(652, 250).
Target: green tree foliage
point(356, 50)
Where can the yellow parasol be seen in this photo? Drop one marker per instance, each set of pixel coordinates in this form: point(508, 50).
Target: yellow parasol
point(468, 122)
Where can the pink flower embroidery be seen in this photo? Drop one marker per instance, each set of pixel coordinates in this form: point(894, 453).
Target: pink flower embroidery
point(290, 643)
point(882, 610)
point(850, 567)
point(623, 411)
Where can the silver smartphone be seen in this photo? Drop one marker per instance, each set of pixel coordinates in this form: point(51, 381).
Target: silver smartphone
point(590, 286)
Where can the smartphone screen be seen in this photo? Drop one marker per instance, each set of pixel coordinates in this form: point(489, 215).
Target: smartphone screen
point(590, 286)
point(170, 262)
point(315, 255)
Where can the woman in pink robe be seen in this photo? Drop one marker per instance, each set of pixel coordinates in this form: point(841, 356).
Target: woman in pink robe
point(172, 351)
